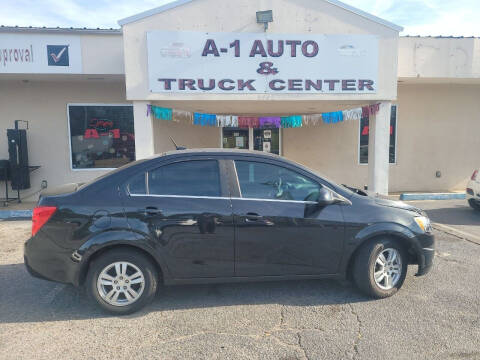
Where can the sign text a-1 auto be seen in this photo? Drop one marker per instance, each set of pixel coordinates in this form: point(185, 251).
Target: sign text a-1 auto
point(268, 54)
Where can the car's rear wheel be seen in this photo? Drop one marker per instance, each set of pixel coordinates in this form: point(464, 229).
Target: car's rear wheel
point(474, 204)
point(122, 281)
point(380, 268)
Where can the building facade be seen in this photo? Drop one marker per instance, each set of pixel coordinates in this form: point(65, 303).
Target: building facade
point(85, 93)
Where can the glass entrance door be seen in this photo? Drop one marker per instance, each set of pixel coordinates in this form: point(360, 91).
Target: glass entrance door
point(268, 140)
point(234, 138)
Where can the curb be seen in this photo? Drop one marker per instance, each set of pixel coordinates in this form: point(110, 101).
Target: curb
point(458, 233)
point(15, 214)
point(431, 196)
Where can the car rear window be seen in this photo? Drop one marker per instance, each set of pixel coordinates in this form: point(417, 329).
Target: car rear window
point(186, 178)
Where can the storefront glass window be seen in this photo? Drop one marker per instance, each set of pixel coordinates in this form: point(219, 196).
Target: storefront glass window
point(101, 136)
point(235, 138)
point(364, 132)
point(266, 140)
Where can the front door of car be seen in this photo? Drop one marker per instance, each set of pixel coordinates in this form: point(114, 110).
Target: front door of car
point(183, 207)
point(280, 230)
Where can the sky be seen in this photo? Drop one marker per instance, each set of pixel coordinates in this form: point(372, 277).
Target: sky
point(418, 17)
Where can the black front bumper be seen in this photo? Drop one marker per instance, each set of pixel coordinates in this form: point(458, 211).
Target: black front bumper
point(425, 253)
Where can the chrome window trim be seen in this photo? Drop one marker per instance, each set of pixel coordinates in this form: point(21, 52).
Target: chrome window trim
point(222, 198)
point(181, 196)
point(277, 200)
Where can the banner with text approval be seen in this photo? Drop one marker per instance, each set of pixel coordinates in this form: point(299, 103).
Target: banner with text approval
point(40, 54)
point(242, 63)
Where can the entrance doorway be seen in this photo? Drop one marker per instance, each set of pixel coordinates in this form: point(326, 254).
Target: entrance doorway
point(268, 140)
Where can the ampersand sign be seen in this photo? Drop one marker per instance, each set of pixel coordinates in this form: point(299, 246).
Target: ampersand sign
point(267, 69)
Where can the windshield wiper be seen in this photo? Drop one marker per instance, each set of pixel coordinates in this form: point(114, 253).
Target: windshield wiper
point(355, 190)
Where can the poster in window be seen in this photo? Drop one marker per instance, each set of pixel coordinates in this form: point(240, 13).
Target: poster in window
point(101, 136)
point(239, 142)
point(364, 137)
point(267, 134)
point(267, 147)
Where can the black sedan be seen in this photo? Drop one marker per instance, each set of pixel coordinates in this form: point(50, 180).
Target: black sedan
point(212, 215)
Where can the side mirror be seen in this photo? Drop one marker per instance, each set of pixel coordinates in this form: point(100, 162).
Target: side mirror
point(325, 197)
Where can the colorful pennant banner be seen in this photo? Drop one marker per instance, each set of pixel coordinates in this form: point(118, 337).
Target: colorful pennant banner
point(291, 121)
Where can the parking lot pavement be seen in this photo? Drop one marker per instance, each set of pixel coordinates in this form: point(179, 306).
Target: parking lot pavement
point(433, 316)
point(454, 214)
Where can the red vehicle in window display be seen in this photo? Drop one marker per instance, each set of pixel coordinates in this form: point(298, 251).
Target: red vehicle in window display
point(114, 143)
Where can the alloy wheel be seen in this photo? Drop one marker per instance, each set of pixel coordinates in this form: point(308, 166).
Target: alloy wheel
point(121, 283)
point(387, 269)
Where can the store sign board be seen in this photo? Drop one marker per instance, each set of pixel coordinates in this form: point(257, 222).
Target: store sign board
point(194, 62)
point(39, 53)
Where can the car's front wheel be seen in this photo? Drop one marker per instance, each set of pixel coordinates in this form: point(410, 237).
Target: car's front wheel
point(122, 281)
point(380, 268)
point(474, 204)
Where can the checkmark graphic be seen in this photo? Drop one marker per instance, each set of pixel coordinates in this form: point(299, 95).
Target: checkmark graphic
point(57, 57)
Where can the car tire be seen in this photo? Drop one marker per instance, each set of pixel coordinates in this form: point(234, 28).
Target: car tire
point(368, 271)
point(127, 273)
point(474, 204)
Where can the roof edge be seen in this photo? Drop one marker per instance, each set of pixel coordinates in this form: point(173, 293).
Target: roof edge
point(340, 4)
point(366, 15)
point(58, 30)
point(153, 11)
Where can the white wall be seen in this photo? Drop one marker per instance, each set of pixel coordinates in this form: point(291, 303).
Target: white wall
point(44, 106)
point(102, 54)
point(440, 58)
point(438, 127)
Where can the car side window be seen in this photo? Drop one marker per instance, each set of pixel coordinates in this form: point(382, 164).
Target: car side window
point(267, 181)
point(137, 185)
point(187, 178)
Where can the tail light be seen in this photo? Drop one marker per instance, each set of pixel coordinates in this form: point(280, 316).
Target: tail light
point(474, 175)
point(41, 215)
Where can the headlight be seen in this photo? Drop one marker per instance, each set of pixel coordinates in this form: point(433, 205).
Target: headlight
point(423, 223)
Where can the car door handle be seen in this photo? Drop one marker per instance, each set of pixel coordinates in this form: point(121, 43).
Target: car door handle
point(251, 217)
point(152, 210)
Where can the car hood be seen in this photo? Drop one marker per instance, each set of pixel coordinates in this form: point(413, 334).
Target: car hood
point(380, 200)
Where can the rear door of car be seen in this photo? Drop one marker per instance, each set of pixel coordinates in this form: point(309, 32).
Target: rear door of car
point(183, 206)
point(279, 229)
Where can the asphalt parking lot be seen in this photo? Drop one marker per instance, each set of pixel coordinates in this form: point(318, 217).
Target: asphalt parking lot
point(433, 316)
